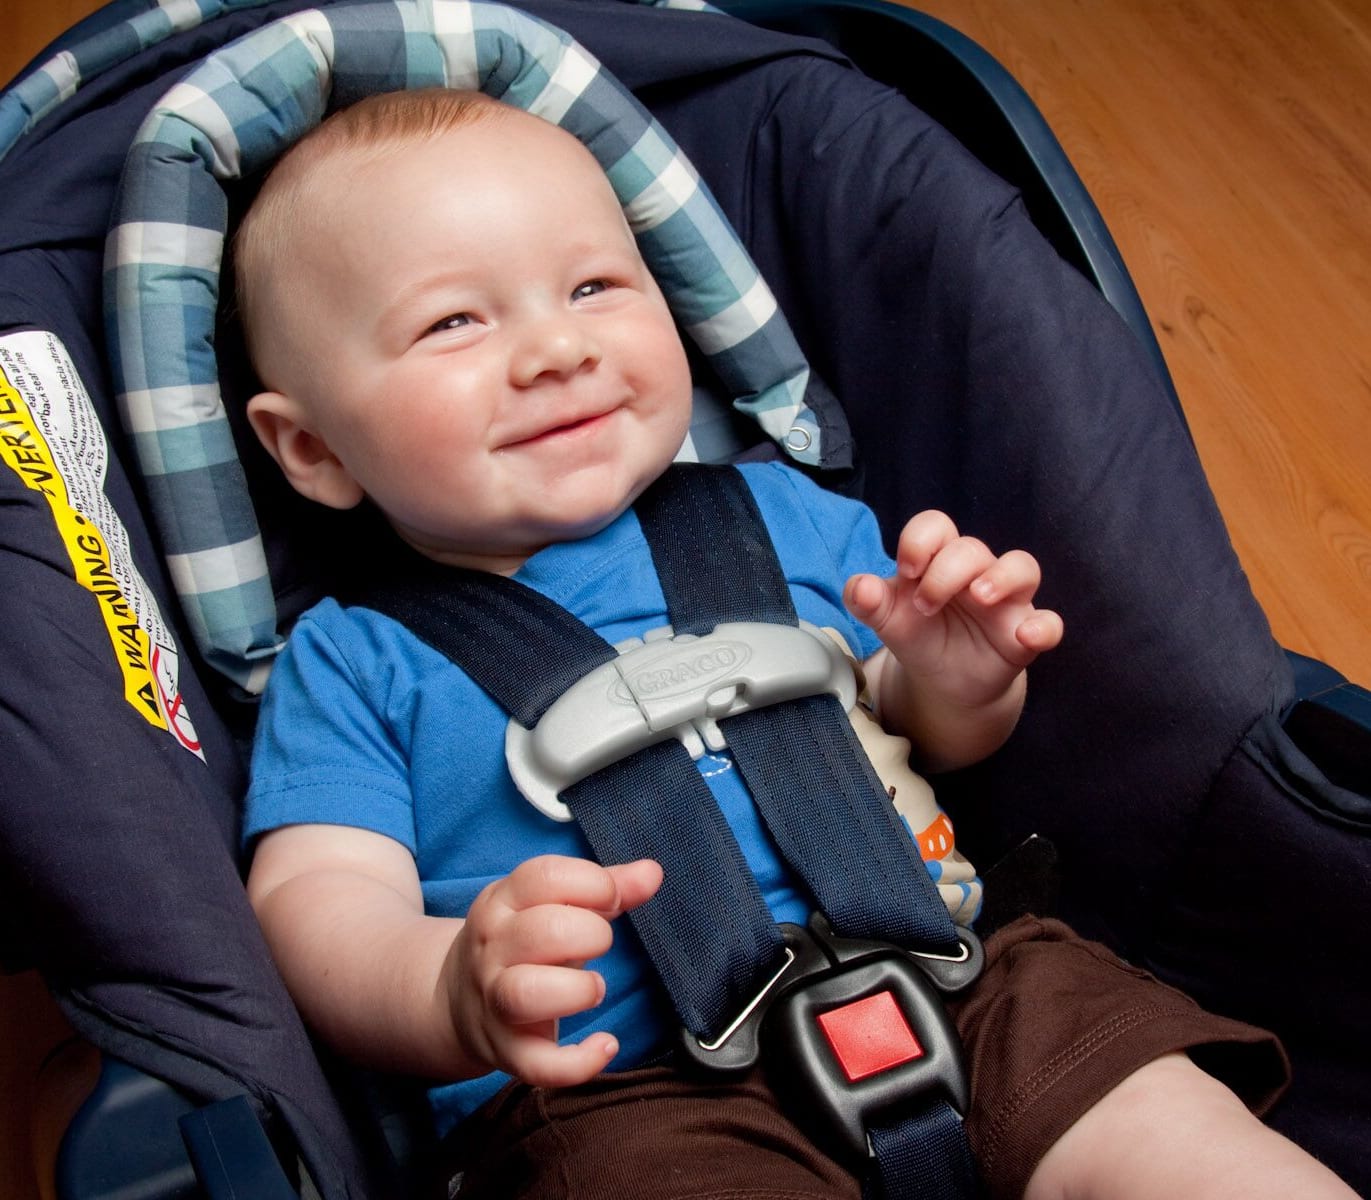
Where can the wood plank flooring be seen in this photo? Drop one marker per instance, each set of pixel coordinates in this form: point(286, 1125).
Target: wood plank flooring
point(1227, 145)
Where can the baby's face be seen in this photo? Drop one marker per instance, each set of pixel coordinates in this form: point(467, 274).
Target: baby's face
point(487, 354)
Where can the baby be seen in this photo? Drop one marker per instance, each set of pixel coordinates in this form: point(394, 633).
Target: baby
point(451, 321)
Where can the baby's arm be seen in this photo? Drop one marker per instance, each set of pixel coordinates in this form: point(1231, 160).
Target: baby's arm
point(437, 997)
point(959, 627)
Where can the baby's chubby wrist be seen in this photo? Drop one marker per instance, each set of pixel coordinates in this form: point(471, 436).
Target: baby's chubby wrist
point(968, 693)
point(454, 1021)
point(948, 726)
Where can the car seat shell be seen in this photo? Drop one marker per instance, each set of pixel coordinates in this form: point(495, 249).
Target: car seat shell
point(1267, 673)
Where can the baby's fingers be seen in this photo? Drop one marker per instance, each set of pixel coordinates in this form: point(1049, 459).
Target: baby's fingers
point(540, 1061)
point(527, 1002)
point(1008, 586)
point(1041, 631)
point(923, 536)
point(554, 934)
point(1013, 577)
point(870, 599)
point(951, 572)
point(527, 994)
point(553, 879)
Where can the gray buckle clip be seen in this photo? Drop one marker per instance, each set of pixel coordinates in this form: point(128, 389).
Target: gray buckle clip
point(667, 686)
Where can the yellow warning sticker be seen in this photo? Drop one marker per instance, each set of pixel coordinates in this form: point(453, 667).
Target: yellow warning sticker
point(51, 439)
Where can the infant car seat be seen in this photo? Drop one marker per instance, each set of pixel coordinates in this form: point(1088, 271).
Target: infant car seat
point(1164, 747)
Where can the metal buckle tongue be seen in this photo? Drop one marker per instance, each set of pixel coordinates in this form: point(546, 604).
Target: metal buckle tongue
point(670, 686)
point(850, 1029)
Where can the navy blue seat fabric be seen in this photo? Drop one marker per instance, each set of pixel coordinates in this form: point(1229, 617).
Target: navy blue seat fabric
point(980, 374)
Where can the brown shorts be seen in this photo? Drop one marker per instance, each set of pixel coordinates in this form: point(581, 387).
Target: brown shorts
point(1053, 1024)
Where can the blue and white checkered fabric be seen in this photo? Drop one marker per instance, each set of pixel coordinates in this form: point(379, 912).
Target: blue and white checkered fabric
point(82, 59)
point(235, 114)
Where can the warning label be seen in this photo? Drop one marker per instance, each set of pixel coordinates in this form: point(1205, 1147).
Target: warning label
point(51, 438)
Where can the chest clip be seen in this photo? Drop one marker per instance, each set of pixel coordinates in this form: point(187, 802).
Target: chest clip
point(670, 686)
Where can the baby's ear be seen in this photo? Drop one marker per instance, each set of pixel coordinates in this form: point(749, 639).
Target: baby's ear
point(304, 457)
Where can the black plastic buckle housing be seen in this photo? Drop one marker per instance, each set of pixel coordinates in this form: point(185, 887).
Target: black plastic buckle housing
point(838, 1095)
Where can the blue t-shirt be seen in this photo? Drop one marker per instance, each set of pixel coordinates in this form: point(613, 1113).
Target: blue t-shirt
point(364, 725)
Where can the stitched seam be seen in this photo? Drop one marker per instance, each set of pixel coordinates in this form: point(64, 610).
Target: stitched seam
point(1053, 1071)
point(722, 765)
point(755, 1194)
point(554, 1127)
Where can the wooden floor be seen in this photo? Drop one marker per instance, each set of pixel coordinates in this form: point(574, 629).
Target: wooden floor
point(1228, 144)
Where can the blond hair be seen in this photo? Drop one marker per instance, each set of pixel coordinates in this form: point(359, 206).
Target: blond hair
point(374, 126)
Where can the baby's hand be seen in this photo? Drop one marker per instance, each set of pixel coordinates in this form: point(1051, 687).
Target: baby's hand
point(517, 964)
point(956, 617)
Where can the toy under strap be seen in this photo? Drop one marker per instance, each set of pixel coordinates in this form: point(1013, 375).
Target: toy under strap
point(708, 933)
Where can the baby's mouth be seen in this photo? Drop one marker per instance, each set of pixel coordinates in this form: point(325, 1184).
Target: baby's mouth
point(566, 429)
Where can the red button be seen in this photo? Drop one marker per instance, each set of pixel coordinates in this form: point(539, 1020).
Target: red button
point(869, 1036)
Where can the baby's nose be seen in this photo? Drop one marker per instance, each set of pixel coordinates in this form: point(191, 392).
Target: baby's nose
point(555, 348)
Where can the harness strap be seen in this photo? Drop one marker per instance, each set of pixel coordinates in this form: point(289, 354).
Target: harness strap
point(525, 651)
point(850, 848)
point(924, 1155)
point(824, 806)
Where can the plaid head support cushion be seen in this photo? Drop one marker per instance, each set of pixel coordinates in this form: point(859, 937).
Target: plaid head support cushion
point(238, 111)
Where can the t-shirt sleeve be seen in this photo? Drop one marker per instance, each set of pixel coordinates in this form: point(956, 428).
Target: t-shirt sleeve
point(324, 751)
point(823, 539)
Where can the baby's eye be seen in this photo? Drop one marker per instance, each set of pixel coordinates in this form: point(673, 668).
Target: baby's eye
point(592, 287)
point(455, 321)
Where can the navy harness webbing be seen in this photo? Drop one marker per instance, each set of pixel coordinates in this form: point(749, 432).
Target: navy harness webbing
point(825, 808)
point(708, 931)
point(525, 651)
